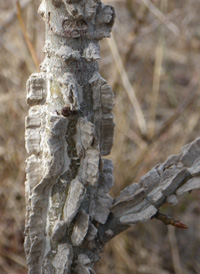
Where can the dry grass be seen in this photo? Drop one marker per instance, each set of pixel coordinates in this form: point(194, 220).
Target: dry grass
point(159, 45)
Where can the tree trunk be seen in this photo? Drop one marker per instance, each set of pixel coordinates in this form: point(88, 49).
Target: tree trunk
point(69, 128)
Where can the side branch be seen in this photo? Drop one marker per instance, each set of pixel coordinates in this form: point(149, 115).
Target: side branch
point(140, 201)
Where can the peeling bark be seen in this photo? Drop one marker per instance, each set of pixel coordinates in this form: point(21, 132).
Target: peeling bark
point(69, 128)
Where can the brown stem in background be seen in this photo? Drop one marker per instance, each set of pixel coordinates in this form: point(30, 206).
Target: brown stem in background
point(28, 42)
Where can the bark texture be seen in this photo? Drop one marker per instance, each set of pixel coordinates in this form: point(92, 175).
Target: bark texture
point(69, 128)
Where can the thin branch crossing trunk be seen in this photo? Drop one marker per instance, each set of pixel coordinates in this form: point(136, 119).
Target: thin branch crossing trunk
point(69, 128)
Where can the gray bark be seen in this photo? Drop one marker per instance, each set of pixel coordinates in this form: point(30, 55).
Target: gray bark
point(69, 128)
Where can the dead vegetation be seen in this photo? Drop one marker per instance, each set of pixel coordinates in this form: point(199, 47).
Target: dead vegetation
point(154, 56)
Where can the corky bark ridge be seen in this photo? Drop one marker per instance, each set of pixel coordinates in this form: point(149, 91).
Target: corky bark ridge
point(68, 128)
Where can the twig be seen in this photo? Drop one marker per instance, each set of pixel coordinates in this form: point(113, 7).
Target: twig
point(155, 89)
point(165, 127)
point(157, 13)
point(5, 267)
point(10, 18)
point(14, 257)
point(174, 251)
point(121, 250)
point(131, 134)
point(168, 220)
point(179, 110)
point(156, 77)
point(127, 85)
point(155, 24)
point(28, 42)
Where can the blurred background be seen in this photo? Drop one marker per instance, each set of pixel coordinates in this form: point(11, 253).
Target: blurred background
point(154, 56)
